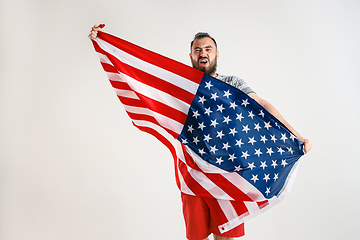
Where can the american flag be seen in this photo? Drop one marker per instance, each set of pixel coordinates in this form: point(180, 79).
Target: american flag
point(225, 145)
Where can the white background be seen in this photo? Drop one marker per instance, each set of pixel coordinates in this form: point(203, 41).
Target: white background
point(72, 166)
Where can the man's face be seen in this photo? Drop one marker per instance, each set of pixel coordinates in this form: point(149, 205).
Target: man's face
point(204, 55)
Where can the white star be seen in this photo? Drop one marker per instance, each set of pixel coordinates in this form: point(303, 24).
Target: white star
point(227, 119)
point(251, 165)
point(233, 105)
point(208, 111)
point(201, 126)
point(246, 128)
point(257, 126)
point(190, 128)
point(263, 138)
point(213, 149)
point(276, 177)
point(202, 99)
point(213, 123)
point(238, 168)
point(276, 124)
point(208, 85)
point(245, 102)
point(220, 108)
point(280, 150)
point(269, 151)
point(239, 117)
point(232, 157)
point(220, 134)
point(284, 163)
point(254, 178)
point(267, 190)
point(274, 164)
point(273, 138)
point(267, 125)
point(251, 115)
point(263, 164)
point(266, 177)
point(292, 137)
point(226, 146)
point(207, 137)
point(233, 131)
point(227, 93)
point(196, 114)
point(219, 160)
point(252, 140)
point(214, 96)
point(239, 143)
point(258, 152)
point(290, 150)
point(196, 140)
point(262, 113)
point(283, 137)
point(184, 141)
point(201, 151)
point(245, 154)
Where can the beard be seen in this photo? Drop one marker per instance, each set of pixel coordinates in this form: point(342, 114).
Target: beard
point(208, 70)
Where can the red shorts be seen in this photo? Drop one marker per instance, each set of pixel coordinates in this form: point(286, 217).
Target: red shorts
point(200, 219)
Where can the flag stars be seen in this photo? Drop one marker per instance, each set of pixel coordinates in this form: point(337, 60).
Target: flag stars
point(196, 140)
point(239, 143)
point(227, 120)
point(267, 191)
point(196, 114)
point(190, 128)
point(237, 168)
point(208, 111)
point(214, 96)
point(290, 150)
point(219, 160)
point(246, 128)
point(227, 94)
point(284, 163)
point(202, 99)
point(184, 141)
point(202, 126)
point(262, 114)
point(245, 102)
point(263, 164)
point(267, 125)
point(233, 105)
point(276, 176)
point(257, 126)
point(292, 137)
point(239, 117)
point(273, 138)
point(274, 164)
point(263, 139)
point(232, 157)
point(245, 155)
point(214, 123)
point(201, 151)
point(266, 177)
point(283, 137)
point(251, 115)
point(220, 108)
point(208, 85)
point(280, 150)
point(258, 152)
point(251, 165)
point(233, 131)
point(226, 146)
point(213, 149)
point(220, 134)
point(252, 140)
point(254, 178)
point(207, 137)
point(269, 151)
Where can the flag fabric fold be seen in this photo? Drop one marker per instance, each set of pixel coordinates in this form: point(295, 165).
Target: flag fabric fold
point(224, 144)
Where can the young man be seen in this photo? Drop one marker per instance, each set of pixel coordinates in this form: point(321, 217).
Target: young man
point(200, 216)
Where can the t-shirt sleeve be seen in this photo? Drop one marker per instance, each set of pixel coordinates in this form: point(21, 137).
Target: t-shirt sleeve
point(236, 82)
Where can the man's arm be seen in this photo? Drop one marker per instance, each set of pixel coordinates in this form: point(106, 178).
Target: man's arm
point(270, 108)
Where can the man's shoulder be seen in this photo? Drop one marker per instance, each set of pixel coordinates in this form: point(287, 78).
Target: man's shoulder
point(235, 81)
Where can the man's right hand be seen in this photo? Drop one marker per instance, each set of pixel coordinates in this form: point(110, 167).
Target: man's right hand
point(94, 31)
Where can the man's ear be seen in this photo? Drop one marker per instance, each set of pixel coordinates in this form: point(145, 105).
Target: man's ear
point(190, 56)
point(217, 55)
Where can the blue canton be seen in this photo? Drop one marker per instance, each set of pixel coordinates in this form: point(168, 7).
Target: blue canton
point(230, 130)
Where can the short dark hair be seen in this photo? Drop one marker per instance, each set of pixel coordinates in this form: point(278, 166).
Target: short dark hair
point(200, 35)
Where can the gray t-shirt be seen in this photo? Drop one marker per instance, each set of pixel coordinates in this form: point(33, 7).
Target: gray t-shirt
point(236, 82)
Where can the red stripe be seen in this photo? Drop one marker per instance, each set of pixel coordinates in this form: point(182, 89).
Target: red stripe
point(171, 65)
point(109, 68)
point(152, 81)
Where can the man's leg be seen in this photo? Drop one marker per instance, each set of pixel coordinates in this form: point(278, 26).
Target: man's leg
point(216, 237)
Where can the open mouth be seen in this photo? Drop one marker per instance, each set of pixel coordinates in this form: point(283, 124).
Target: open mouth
point(203, 62)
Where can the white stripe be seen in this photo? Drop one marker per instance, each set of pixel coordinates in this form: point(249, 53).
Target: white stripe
point(164, 121)
point(149, 68)
point(126, 93)
point(104, 59)
point(227, 209)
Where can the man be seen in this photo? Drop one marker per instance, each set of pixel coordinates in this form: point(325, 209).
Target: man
point(201, 219)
